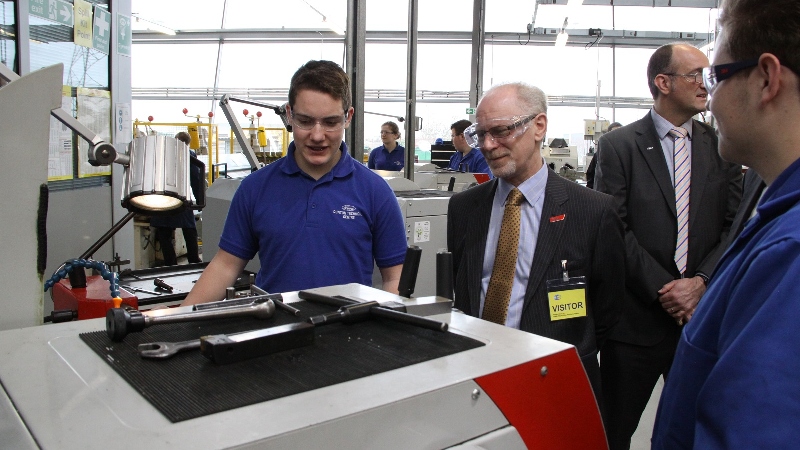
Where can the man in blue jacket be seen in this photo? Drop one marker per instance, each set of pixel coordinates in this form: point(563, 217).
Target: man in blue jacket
point(466, 158)
point(734, 380)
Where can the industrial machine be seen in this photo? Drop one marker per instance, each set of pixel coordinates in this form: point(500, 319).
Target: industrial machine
point(562, 158)
point(70, 386)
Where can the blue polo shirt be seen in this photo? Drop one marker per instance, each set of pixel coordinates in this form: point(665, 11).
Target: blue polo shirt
point(382, 159)
point(310, 233)
point(471, 162)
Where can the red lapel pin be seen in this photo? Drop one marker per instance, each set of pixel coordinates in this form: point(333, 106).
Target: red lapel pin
point(558, 218)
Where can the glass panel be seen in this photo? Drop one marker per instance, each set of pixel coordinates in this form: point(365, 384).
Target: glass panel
point(557, 71)
point(173, 65)
point(309, 14)
point(385, 15)
point(632, 72)
point(8, 35)
point(179, 14)
point(270, 65)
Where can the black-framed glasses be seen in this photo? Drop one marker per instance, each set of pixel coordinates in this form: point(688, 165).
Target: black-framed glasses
point(695, 77)
point(713, 75)
point(332, 123)
point(475, 136)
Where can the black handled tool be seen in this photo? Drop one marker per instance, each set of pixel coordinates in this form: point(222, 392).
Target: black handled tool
point(408, 277)
point(354, 311)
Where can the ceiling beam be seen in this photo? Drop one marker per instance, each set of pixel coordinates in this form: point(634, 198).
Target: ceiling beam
point(538, 36)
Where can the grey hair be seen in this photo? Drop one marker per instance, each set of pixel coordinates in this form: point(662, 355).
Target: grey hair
point(533, 99)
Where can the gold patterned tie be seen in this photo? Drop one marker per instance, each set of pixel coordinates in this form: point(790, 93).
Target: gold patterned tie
point(498, 294)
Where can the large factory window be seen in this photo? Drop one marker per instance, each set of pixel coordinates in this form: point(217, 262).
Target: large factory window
point(8, 35)
point(77, 37)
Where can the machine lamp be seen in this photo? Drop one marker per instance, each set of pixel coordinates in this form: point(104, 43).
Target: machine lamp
point(156, 181)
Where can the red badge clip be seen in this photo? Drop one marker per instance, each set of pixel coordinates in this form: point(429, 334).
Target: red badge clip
point(557, 218)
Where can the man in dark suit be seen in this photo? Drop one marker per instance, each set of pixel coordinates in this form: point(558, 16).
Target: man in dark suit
point(560, 224)
point(677, 199)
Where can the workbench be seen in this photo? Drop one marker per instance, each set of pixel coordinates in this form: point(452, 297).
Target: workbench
point(517, 389)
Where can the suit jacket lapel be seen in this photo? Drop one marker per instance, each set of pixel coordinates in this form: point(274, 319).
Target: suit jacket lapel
point(701, 162)
point(555, 199)
point(477, 231)
point(650, 147)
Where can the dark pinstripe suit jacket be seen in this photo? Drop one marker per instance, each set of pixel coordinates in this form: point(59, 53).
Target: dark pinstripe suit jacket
point(589, 238)
point(631, 167)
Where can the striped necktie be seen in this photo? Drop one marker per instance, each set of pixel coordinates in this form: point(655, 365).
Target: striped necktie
point(498, 294)
point(683, 177)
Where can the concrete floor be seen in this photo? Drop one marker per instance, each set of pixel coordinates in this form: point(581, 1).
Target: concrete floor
point(641, 438)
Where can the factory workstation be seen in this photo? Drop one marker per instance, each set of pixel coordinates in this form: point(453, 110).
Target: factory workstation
point(492, 224)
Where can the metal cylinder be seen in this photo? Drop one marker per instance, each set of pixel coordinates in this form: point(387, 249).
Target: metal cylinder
point(157, 178)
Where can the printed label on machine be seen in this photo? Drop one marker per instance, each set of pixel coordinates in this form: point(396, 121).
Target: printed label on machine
point(422, 231)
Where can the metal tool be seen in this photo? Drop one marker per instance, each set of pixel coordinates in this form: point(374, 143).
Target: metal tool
point(161, 284)
point(136, 289)
point(120, 321)
point(224, 349)
point(163, 350)
point(354, 311)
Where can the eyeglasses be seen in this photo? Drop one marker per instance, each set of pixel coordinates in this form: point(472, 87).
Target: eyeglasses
point(713, 75)
point(332, 123)
point(386, 132)
point(475, 137)
point(696, 77)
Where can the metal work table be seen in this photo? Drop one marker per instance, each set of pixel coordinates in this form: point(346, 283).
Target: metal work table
point(57, 393)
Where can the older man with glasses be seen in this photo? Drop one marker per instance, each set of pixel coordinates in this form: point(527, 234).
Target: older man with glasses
point(532, 250)
point(316, 217)
point(677, 199)
point(734, 382)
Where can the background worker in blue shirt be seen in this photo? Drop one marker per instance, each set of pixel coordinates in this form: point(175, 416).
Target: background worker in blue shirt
point(466, 159)
point(316, 217)
point(390, 155)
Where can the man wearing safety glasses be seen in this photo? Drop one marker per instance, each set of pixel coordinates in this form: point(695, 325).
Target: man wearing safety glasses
point(532, 250)
point(677, 199)
point(734, 382)
point(316, 217)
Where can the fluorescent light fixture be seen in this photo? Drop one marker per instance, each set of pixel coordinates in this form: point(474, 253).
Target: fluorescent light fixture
point(152, 26)
point(561, 39)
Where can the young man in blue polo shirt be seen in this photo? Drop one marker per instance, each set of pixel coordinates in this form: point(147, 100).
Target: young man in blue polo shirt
point(316, 217)
point(466, 158)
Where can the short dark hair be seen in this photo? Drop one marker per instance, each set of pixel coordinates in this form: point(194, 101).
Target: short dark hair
point(392, 126)
point(183, 137)
point(322, 76)
point(460, 125)
point(753, 27)
point(614, 126)
point(660, 62)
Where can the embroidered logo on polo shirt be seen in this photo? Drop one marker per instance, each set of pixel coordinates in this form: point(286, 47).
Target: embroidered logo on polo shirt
point(348, 212)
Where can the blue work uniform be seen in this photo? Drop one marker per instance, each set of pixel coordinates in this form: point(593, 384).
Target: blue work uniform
point(471, 162)
point(382, 159)
point(310, 233)
point(733, 383)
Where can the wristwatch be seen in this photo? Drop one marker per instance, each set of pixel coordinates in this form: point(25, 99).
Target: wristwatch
point(703, 276)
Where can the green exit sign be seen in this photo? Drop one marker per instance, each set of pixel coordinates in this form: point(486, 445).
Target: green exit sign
point(470, 111)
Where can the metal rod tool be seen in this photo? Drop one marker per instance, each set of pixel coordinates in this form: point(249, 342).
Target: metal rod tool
point(120, 321)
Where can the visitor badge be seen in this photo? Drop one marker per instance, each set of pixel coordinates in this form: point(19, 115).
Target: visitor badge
point(566, 296)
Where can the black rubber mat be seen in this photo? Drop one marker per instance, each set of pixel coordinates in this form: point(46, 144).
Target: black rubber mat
point(188, 385)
